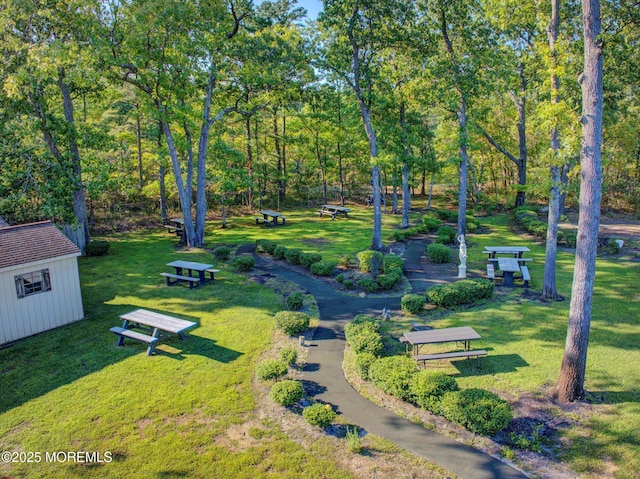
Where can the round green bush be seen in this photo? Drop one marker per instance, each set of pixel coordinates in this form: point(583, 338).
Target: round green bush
point(279, 252)
point(387, 281)
point(295, 301)
point(392, 261)
point(466, 291)
point(365, 340)
point(438, 253)
point(289, 355)
point(393, 375)
point(319, 415)
point(292, 255)
point(287, 392)
point(325, 267)
point(448, 231)
point(292, 322)
point(244, 263)
point(363, 362)
point(478, 410)
point(369, 261)
point(271, 369)
point(368, 284)
point(348, 283)
point(431, 223)
point(222, 253)
point(340, 278)
point(413, 303)
point(267, 246)
point(307, 259)
point(427, 388)
point(97, 247)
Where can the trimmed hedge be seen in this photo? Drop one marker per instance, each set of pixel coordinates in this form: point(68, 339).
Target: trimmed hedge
point(448, 232)
point(478, 410)
point(466, 291)
point(428, 387)
point(370, 261)
point(439, 253)
point(368, 284)
point(289, 355)
point(97, 247)
point(244, 263)
point(389, 280)
point(431, 223)
point(393, 375)
point(413, 303)
point(280, 252)
point(307, 259)
point(325, 267)
point(287, 392)
point(363, 335)
point(319, 415)
point(222, 253)
point(266, 246)
point(363, 362)
point(271, 369)
point(391, 261)
point(295, 301)
point(291, 322)
point(293, 255)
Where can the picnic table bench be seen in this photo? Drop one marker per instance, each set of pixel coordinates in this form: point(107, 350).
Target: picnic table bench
point(266, 215)
point(193, 282)
point(333, 210)
point(471, 353)
point(462, 334)
point(175, 225)
point(161, 326)
point(190, 266)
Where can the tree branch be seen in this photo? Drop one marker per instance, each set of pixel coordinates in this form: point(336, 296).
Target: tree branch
point(496, 145)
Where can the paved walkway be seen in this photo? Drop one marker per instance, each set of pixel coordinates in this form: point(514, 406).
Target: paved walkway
point(324, 368)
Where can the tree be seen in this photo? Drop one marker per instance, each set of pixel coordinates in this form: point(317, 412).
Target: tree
point(570, 385)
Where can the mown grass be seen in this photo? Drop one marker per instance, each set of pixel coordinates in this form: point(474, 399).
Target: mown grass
point(73, 389)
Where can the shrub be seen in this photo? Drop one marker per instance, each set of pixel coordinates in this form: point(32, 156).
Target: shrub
point(431, 223)
point(289, 355)
point(348, 283)
point(448, 232)
point(307, 259)
point(244, 263)
point(413, 303)
point(611, 247)
point(427, 389)
point(222, 253)
point(353, 440)
point(340, 278)
point(388, 281)
point(391, 261)
point(445, 215)
point(280, 252)
point(438, 253)
point(292, 255)
point(266, 246)
point(271, 369)
point(97, 247)
point(324, 267)
point(369, 285)
point(363, 335)
point(295, 300)
point(287, 392)
point(345, 260)
point(319, 414)
point(368, 261)
point(292, 322)
point(571, 239)
point(466, 291)
point(363, 362)
point(393, 374)
point(478, 410)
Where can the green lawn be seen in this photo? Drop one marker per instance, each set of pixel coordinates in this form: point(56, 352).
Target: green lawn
point(73, 389)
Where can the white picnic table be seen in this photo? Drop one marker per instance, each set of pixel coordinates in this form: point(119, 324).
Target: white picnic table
point(508, 266)
point(516, 251)
point(274, 215)
point(333, 210)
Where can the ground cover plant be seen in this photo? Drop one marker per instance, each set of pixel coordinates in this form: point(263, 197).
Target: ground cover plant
point(162, 415)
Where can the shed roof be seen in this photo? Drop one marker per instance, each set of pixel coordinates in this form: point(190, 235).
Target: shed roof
point(33, 242)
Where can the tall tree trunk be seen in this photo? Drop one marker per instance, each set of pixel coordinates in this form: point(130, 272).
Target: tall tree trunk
point(406, 194)
point(549, 289)
point(521, 104)
point(431, 183)
point(161, 175)
point(249, 161)
point(464, 160)
point(570, 385)
point(139, 152)
point(79, 203)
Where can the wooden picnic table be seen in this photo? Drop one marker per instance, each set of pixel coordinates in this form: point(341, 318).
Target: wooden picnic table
point(274, 215)
point(175, 225)
point(462, 334)
point(516, 251)
point(190, 266)
point(508, 266)
point(333, 210)
point(161, 326)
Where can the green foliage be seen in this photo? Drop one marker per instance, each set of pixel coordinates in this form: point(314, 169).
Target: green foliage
point(611, 247)
point(222, 253)
point(97, 247)
point(287, 392)
point(345, 260)
point(528, 219)
point(291, 322)
point(353, 440)
point(295, 301)
point(325, 267)
point(392, 261)
point(466, 291)
point(319, 415)
point(244, 263)
point(431, 223)
point(369, 285)
point(447, 232)
point(271, 369)
point(388, 281)
point(289, 355)
point(348, 284)
point(363, 362)
point(478, 410)
point(340, 278)
point(571, 239)
point(444, 215)
point(412, 303)
point(438, 253)
point(368, 259)
point(363, 335)
point(280, 252)
point(428, 387)
point(307, 259)
point(292, 255)
point(393, 375)
point(266, 246)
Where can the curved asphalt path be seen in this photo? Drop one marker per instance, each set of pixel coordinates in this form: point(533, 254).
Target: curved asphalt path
point(324, 368)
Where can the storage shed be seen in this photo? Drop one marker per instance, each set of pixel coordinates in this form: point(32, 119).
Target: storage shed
point(39, 280)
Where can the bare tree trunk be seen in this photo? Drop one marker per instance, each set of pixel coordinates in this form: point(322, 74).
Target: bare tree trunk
point(249, 162)
point(139, 152)
point(464, 159)
point(570, 385)
point(431, 183)
point(406, 194)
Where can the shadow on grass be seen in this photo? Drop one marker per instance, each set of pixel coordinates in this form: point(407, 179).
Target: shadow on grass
point(503, 363)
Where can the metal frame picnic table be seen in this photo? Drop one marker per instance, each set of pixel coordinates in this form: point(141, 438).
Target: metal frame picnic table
point(516, 251)
point(461, 334)
point(271, 214)
point(190, 266)
point(334, 210)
